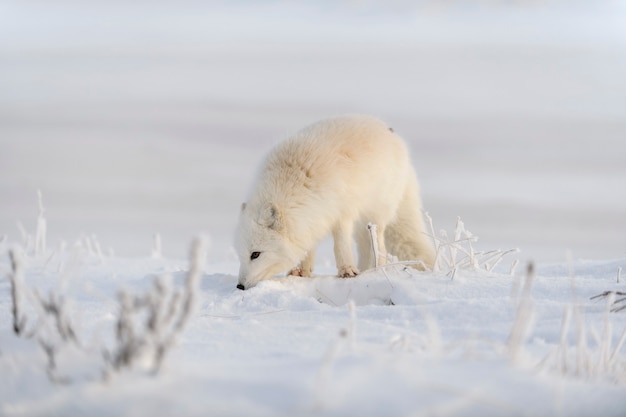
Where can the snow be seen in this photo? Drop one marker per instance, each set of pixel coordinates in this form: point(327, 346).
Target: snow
point(138, 121)
point(399, 343)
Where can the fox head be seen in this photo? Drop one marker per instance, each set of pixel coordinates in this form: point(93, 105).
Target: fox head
point(261, 245)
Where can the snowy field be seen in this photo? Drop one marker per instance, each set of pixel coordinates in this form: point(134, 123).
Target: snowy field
point(137, 119)
point(99, 336)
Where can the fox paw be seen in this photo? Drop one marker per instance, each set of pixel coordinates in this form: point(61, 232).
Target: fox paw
point(299, 272)
point(348, 271)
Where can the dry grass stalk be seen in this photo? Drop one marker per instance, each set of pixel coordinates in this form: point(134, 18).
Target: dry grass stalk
point(147, 325)
point(618, 300)
point(165, 312)
point(450, 255)
point(16, 280)
point(459, 252)
point(522, 323)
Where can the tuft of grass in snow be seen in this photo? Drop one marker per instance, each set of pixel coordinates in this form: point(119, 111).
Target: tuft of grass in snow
point(146, 327)
point(451, 254)
point(594, 357)
point(459, 253)
point(616, 305)
point(36, 244)
point(523, 319)
point(16, 280)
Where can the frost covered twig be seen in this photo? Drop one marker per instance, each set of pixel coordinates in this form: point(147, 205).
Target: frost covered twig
point(373, 233)
point(16, 277)
point(459, 252)
point(146, 327)
point(52, 328)
point(524, 315)
point(166, 313)
point(603, 360)
point(54, 307)
point(617, 304)
point(450, 254)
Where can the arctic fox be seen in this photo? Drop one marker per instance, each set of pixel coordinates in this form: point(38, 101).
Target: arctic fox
point(334, 176)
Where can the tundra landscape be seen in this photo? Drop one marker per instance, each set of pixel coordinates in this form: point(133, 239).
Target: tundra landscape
point(130, 134)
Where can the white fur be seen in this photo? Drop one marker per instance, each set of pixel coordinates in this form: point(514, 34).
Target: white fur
point(334, 176)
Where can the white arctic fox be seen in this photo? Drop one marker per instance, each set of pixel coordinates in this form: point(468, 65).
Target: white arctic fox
point(334, 176)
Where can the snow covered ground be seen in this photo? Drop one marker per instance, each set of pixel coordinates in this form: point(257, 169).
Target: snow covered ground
point(393, 343)
point(136, 119)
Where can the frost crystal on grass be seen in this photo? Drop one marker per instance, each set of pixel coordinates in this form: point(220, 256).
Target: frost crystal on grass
point(16, 280)
point(451, 254)
point(148, 324)
point(459, 253)
point(146, 327)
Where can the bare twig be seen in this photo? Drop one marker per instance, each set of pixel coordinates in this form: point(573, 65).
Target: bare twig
point(16, 277)
point(617, 304)
point(459, 252)
point(55, 307)
point(374, 240)
point(147, 325)
point(523, 317)
point(167, 311)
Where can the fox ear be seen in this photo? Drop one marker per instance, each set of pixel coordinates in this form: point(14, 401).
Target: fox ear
point(271, 217)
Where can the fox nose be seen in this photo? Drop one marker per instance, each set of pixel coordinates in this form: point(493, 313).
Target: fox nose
point(240, 287)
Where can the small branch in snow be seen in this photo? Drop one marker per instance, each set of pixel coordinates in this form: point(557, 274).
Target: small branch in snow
point(374, 240)
point(147, 325)
point(167, 312)
point(617, 304)
point(522, 323)
point(16, 277)
point(54, 306)
point(435, 240)
point(458, 252)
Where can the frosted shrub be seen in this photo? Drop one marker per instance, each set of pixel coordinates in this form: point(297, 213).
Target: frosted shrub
point(146, 325)
point(451, 253)
point(458, 252)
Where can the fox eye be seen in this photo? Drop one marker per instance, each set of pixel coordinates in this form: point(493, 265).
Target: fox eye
point(254, 255)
